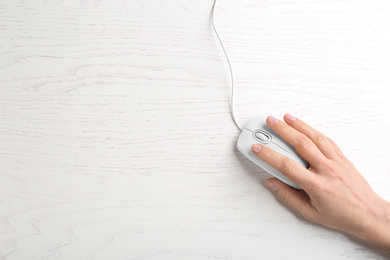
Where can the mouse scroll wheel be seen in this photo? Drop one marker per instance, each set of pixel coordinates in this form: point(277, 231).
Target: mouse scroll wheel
point(262, 137)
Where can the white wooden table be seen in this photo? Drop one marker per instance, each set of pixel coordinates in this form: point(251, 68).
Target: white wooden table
point(116, 138)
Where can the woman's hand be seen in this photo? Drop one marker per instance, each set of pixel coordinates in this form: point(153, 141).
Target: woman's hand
point(335, 194)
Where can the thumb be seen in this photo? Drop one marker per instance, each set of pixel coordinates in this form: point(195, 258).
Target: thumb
point(291, 196)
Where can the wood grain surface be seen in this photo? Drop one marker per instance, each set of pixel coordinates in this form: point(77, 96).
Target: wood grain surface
point(116, 140)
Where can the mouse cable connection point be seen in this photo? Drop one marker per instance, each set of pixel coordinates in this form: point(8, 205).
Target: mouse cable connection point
point(230, 69)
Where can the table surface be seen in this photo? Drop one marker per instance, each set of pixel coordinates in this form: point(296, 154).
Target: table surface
point(117, 141)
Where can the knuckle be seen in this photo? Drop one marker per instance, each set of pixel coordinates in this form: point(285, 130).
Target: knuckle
point(287, 165)
point(349, 164)
point(321, 138)
point(330, 141)
point(313, 186)
point(303, 141)
point(317, 186)
point(332, 169)
point(285, 197)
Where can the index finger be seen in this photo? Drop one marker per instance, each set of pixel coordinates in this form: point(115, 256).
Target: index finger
point(289, 168)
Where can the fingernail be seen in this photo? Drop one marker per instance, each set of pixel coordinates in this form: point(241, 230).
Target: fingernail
point(256, 148)
point(272, 120)
point(290, 117)
point(271, 185)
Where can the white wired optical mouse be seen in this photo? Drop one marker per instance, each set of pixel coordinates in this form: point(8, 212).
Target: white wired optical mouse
point(257, 131)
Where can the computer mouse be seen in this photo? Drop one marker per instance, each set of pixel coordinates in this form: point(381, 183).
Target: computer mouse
point(257, 131)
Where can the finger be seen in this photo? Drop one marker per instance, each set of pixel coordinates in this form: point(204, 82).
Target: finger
point(336, 149)
point(304, 146)
point(292, 197)
point(289, 168)
point(320, 140)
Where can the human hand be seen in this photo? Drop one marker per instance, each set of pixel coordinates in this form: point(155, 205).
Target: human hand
point(334, 193)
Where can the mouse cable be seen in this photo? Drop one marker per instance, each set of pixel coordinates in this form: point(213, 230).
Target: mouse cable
point(230, 69)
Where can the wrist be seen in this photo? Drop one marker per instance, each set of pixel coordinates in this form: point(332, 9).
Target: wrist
point(377, 225)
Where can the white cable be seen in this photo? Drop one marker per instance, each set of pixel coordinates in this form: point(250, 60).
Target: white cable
point(230, 68)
